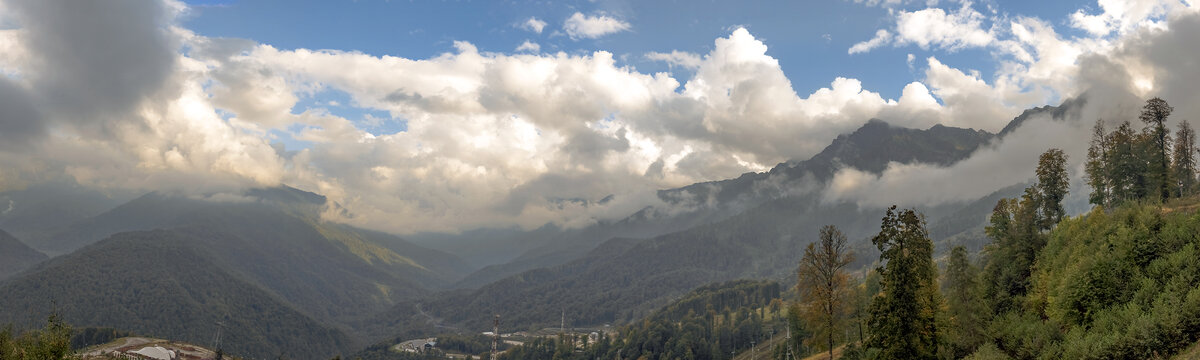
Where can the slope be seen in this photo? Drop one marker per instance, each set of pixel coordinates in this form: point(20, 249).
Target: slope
point(159, 284)
point(15, 256)
point(870, 148)
point(274, 238)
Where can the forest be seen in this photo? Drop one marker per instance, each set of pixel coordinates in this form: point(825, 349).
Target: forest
point(1118, 282)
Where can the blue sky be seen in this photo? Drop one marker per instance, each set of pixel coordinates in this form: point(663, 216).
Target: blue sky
point(810, 38)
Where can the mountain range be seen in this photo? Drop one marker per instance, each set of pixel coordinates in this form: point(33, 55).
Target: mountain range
point(172, 266)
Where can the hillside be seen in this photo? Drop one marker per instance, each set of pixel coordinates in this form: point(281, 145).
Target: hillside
point(15, 255)
point(1120, 284)
point(275, 240)
point(870, 148)
point(158, 283)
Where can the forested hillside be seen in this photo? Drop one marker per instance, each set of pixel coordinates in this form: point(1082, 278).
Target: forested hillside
point(158, 283)
point(15, 255)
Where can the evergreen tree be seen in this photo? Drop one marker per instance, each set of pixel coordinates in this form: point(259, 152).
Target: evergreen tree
point(1184, 164)
point(824, 284)
point(903, 319)
point(1154, 115)
point(1052, 187)
point(967, 316)
point(1096, 168)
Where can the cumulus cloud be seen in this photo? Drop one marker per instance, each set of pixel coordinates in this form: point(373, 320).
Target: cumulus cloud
point(1114, 79)
point(933, 28)
point(580, 26)
point(495, 139)
point(534, 25)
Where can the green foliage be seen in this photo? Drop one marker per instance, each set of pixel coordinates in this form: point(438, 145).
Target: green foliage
point(988, 351)
point(709, 323)
point(824, 285)
point(1158, 147)
point(1052, 187)
point(966, 310)
point(903, 319)
point(53, 342)
point(96, 336)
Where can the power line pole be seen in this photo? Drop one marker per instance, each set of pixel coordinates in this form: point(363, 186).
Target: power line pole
point(495, 336)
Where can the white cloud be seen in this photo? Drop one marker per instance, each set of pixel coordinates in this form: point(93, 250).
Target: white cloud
point(529, 46)
point(881, 37)
point(534, 25)
point(677, 58)
point(933, 28)
point(580, 26)
point(499, 139)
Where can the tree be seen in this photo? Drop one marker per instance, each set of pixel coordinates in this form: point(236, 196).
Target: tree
point(1125, 168)
point(823, 282)
point(967, 316)
point(903, 318)
point(1052, 187)
point(1154, 115)
point(1183, 166)
point(50, 343)
point(1096, 167)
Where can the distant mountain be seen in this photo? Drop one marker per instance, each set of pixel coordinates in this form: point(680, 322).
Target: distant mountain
point(16, 256)
point(870, 148)
point(162, 284)
point(274, 238)
point(34, 212)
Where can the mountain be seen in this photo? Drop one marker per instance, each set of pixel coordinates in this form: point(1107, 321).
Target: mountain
point(274, 239)
point(16, 256)
point(870, 148)
point(160, 283)
point(35, 212)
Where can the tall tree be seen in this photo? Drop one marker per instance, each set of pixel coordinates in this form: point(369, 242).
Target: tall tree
point(1184, 164)
point(967, 315)
point(1154, 115)
point(823, 282)
point(903, 318)
point(1052, 187)
point(1126, 170)
point(1096, 167)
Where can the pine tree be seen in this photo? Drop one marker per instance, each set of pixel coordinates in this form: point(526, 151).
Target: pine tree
point(1184, 164)
point(1154, 115)
point(1096, 168)
point(823, 283)
point(903, 319)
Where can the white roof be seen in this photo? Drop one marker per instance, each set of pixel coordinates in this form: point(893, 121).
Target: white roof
point(155, 352)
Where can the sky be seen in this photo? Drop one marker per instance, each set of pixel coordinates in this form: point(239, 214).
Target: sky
point(446, 116)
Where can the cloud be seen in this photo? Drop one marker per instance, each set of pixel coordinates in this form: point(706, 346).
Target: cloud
point(933, 28)
point(682, 59)
point(530, 138)
point(881, 37)
point(529, 46)
point(1123, 16)
point(534, 25)
point(580, 26)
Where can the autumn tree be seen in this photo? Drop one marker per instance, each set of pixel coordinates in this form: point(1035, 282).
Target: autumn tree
point(1096, 167)
point(903, 318)
point(824, 284)
point(1154, 115)
point(1183, 166)
point(1052, 187)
